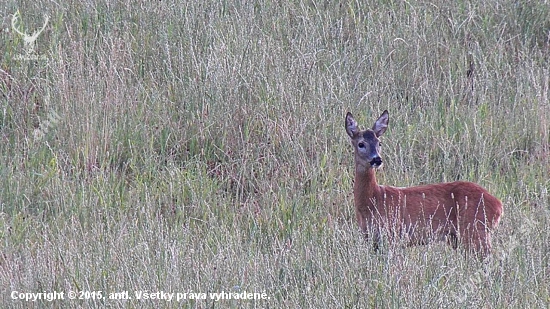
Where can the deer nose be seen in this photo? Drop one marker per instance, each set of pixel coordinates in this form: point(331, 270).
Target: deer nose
point(376, 162)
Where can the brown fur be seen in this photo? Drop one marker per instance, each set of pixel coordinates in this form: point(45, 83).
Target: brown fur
point(457, 211)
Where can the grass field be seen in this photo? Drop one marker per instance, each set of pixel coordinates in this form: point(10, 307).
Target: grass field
point(199, 147)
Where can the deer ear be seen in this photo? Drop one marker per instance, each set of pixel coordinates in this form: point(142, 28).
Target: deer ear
point(351, 125)
point(381, 124)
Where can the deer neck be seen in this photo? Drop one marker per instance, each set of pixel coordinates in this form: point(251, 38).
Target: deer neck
point(366, 187)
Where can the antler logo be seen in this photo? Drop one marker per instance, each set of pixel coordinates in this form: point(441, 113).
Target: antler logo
point(27, 39)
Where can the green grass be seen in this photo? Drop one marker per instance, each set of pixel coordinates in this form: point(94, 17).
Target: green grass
point(200, 147)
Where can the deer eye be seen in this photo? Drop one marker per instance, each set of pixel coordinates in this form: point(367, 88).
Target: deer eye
point(361, 145)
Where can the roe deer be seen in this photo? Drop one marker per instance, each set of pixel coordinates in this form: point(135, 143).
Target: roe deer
point(456, 211)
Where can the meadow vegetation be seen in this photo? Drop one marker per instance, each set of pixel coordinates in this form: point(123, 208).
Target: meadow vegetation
point(200, 146)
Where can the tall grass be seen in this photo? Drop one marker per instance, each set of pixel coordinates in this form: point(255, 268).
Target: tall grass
point(200, 147)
